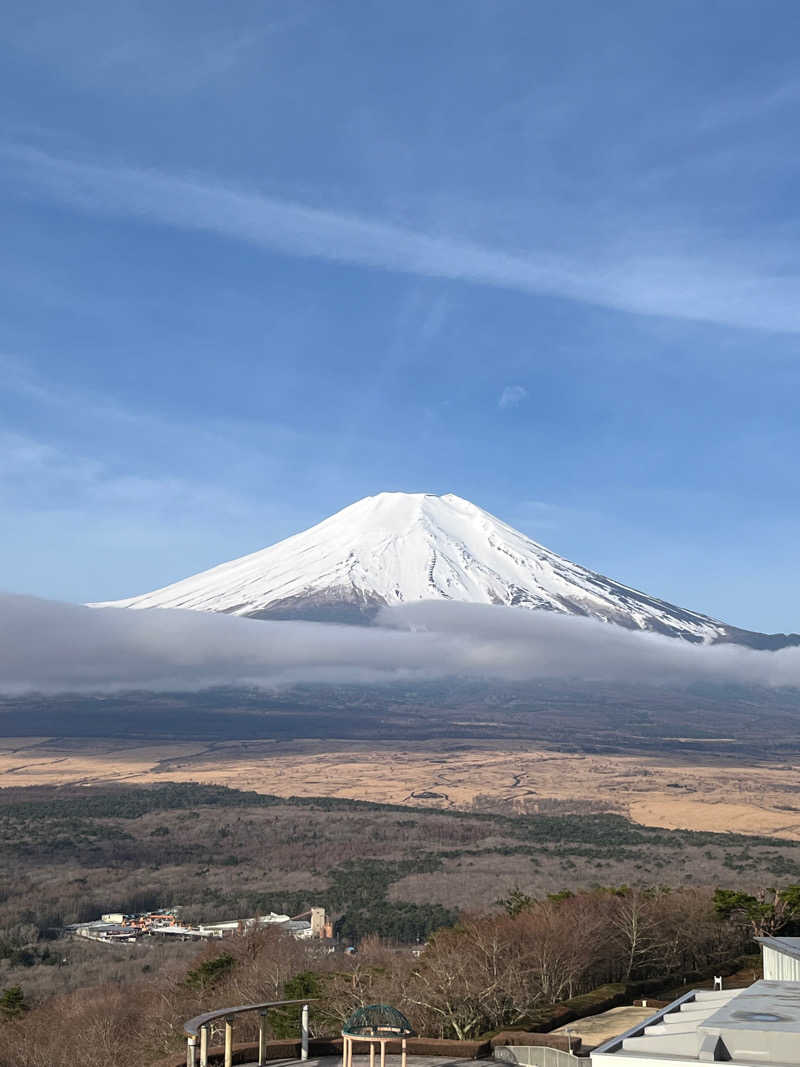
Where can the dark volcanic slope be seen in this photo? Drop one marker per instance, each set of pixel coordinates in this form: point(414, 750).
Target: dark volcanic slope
point(731, 721)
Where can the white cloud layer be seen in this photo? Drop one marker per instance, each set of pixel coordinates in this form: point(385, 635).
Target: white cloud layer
point(49, 646)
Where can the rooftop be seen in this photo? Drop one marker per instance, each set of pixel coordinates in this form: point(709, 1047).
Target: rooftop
point(757, 1025)
point(789, 946)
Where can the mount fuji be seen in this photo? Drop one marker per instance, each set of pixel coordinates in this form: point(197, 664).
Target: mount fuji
point(397, 548)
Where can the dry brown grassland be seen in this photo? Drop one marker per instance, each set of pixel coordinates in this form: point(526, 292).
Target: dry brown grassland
point(695, 792)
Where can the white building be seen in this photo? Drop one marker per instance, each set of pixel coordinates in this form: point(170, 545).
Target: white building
point(299, 928)
point(759, 1025)
point(781, 956)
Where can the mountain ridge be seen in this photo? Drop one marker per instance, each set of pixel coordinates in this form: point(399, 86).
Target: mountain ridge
point(396, 548)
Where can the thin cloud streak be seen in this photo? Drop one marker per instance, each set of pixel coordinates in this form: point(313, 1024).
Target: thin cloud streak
point(58, 472)
point(732, 287)
point(48, 646)
point(121, 47)
point(512, 396)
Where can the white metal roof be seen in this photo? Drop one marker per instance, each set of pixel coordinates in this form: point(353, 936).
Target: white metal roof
point(789, 946)
point(757, 1025)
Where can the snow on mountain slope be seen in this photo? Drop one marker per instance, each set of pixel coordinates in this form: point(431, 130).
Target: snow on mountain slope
point(395, 548)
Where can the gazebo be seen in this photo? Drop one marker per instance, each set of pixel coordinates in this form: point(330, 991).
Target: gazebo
point(376, 1024)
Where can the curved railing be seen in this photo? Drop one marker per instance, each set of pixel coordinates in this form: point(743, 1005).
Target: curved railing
point(198, 1031)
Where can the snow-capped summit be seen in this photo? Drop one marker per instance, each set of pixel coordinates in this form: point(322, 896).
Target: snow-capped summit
point(396, 548)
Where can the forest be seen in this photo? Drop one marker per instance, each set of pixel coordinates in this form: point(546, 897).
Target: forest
point(487, 972)
point(396, 881)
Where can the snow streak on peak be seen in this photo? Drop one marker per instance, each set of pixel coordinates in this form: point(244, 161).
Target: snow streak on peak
point(396, 548)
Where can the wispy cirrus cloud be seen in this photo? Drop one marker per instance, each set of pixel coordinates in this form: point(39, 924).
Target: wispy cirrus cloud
point(125, 46)
point(51, 467)
point(703, 279)
point(52, 477)
point(512, 396)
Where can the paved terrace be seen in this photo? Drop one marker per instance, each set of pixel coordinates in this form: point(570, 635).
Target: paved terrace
point(595, 1029)
point(203, 1031)
point(363, 1061)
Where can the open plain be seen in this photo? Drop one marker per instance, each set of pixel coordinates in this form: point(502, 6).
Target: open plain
point(696, 792)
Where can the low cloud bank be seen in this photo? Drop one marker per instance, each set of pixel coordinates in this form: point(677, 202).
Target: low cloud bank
point(46, 646)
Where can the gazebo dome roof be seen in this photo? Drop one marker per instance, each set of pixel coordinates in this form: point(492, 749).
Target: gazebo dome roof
point(378, 1020)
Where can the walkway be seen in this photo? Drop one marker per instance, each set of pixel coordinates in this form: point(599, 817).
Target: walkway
point(595, 1029)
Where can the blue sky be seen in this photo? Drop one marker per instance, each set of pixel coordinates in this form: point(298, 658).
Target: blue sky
point(262, 259)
